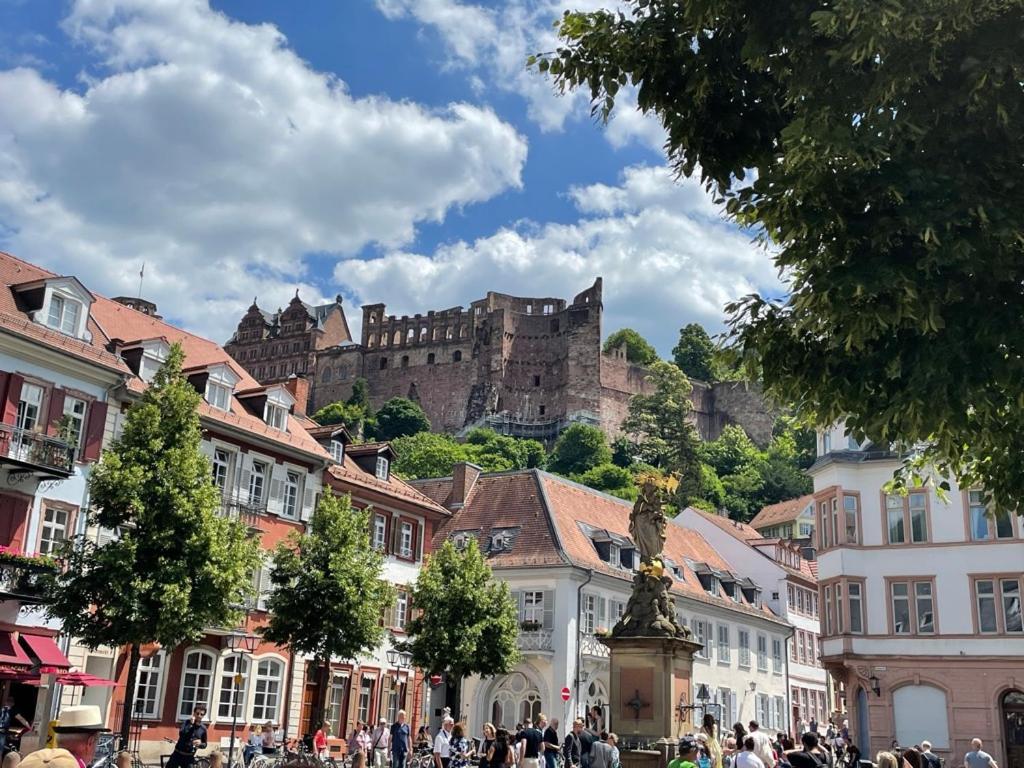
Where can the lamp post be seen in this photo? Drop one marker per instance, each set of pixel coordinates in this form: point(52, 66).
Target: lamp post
point(399, 660)
point(240, 642)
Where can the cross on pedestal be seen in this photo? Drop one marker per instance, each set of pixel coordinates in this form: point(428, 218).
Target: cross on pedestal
point(637, 703)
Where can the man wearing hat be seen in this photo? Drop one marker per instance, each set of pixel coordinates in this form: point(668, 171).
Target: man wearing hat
point(78, 730)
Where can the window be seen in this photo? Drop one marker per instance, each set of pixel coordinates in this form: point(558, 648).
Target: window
point(337, 451)
point(401, 609)
point(54, 529)
point(924, 608)
point(291, 495)
point(826, 443)
point(267, 698)
point(64, 314)
point(985, 595)
point(779, 712)
point(762, 653)
point(29, 407)
point(533, 607)
point(258, 483)
point(196, 682)
point(74, 415)
point(700, 635)
point(276, 416)
point(336, 707)
point(218, 395)
point(589, 615)
point(723, 643)
point(365, 698)
point(456, 356)
point(776, 656)
point(851, 514)
point(221, 468)
point(431, 358)
point(900, 608)
point(839, 609)
point(825, 530)
point(148, 685)
point(405, 361)
point(906, 519)
point(828, 610)
point(536, 381)
point(405, 542)
point(913, 607)
point(744, 639)
point(382, 468)
point(986, 522)
point(228, 694)
point(1010, 589)
point(856, 607)
point(380, 532)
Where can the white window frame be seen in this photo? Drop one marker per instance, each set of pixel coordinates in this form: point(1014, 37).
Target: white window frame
point(226, 682)
point(700, 635)
point(272, 685)
point(187, 705)
point(218, 395)
point(401, 609)
point(588, 614)
point(337, 450)
point(762, 652)
point(724, 650)
point(154, 666)
point(406, 540)
point(291, 494)
point(221, 468)
point(68, 314)
point(381, 468)
point(75, 409)
point(49, 538)
point(744, 648)
point(259, 474)
point(533, 606)
point(276, 416)
point(380, 532)
point(30, 409)
point(776, 656)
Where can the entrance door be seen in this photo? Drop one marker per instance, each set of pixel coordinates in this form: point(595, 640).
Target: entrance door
point(1013, 728)
point(863, 736)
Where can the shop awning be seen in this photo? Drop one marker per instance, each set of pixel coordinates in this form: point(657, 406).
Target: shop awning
point(46, 652)
point(85, 680)
point(12, 657)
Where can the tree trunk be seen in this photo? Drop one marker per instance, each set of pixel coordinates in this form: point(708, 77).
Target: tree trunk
point(129, 695)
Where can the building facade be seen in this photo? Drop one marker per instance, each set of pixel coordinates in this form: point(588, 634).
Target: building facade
point(565, 552)
point(790, 519)
point(790, 591)
point(921, 609)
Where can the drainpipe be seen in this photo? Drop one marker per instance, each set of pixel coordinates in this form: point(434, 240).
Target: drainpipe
point(579, 649)
point(789, 689)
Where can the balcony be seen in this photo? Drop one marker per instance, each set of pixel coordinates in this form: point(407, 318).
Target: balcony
point(244, 511)
point(591, 646)
point(35, 453)
point(21, 576)
point(536, 641)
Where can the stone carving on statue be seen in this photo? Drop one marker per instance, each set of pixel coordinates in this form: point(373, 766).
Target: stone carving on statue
point(649, 612)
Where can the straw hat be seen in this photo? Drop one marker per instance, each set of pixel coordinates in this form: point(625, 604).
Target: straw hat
point(50, 758)
point(82, 719)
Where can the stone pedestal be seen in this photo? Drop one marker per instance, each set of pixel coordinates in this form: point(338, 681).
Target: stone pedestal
point(650, 678)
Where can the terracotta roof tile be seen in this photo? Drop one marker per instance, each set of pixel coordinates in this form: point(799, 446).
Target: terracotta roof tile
point(746, 533)
point(350, 472)
point(783, 512)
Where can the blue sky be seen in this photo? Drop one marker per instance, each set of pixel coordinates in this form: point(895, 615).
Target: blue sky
point(387, 150)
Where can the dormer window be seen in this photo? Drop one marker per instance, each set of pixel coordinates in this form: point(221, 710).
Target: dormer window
point(338, 451)
point(64, 315)
point(383, 468)
point(460, 541)
point(276, 416)
point(220, 383)
point(60, 303)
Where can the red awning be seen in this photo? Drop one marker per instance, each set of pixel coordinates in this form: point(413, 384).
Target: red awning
point(12, 657)
point(46, 652)
point(83, 679)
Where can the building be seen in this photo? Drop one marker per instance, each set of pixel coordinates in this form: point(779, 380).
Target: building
point(791, 591)
point(271, 346)
point(790, 519)
point(526, 367)
point(565, 552)
point(55, 380)
point(921, 609)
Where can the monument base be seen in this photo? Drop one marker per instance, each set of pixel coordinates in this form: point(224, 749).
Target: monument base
point(651, 686)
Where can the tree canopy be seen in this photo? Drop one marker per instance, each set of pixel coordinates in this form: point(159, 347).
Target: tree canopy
point(399, 417)
point(877, 148)
point(427, 454)
point(638, 349)
point(176, 567)
point(694, 354)
point(579, 448)
point(352, 416)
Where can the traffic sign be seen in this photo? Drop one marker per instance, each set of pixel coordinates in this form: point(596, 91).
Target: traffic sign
point(566, 693)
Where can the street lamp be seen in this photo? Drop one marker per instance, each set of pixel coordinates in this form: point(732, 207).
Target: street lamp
point(240, 642)
point(875, 686)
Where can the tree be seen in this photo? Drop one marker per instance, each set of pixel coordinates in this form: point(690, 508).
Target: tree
point(695, 353)
point(610, 479)
point(328, 593)
point(360, 396)
point(399, 417)
point(339, 412)
point(579, 448)
point(499, 453)
point(427, 454)
point(885, 144)
point(638, 350)
point(176, 568)
point(466, 622)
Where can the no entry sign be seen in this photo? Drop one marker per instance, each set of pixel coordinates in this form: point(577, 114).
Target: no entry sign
point(566, 694)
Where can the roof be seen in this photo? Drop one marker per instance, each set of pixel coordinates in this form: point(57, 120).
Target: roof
point(783, 512)
point(317, 314)
point(351, 473)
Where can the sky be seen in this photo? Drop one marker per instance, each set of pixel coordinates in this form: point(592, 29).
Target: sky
point(392, 151)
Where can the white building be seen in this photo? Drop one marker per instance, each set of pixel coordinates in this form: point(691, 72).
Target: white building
point(921, 607)
point(790, 590)
point(565, 551)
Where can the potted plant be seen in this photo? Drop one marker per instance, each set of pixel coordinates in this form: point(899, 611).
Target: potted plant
point(529, 626)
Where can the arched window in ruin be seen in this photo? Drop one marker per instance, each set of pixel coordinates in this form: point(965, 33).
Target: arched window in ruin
point(396, 339)
point(383, 363)
point(326, 375)
point(423, 334)
point(431, 358)
point(456, 356)
point(463, 332)
point(437, 334)
point(449, 333)
point(405, 361)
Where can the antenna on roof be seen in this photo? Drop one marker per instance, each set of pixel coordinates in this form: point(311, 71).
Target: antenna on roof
point(142, 274)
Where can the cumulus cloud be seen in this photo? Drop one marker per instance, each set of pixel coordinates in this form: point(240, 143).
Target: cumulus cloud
point(666, 255)
point(208, 149)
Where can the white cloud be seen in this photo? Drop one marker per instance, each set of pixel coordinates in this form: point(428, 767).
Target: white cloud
point(208, 149)
point(666, 255)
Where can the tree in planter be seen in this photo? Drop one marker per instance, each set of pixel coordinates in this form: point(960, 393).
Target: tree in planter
point(176, 568)
point(465, 622)
point(328, 592)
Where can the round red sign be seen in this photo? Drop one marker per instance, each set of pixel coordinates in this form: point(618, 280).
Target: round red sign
point(435, 680)
point(566, 693)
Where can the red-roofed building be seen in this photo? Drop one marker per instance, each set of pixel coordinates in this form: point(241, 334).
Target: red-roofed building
point(790, 519)
point(791, 591)
point(565, 551)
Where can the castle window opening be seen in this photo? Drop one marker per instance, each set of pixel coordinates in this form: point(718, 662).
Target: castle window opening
point(529, 309)
point(463, 332)
point(396, 339)
point(372, 319)
point(479, 310)
point(383, 363)
point(536, 381)
point(554, 325)
point(423, 334)
point(372, 341)
point(410, 334)
point(542, 409)
point(405, 361)
point(449, 334)
point(456, 356)
point(437, 334)
point(296, 347)
point(549, 309)
point(430, 358)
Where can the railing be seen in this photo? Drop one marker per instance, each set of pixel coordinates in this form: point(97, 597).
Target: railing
point(242, 510)
point(36, 449)
point(20, 576)
point(535, 641)
point(591, 646)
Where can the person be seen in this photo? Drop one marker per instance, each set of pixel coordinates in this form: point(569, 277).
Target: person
point(442, 744)
point(740, 734)
point(191, 738)
point(595, 720)
point(729, 751)
point(762, 744)
point(571, 747)
point(551, 743)
point(423, 740)
point(50, 758)
point(461, 747)
point(359, 741)
point(748, 757)
point(380, 744)
point(320, 739)
point(853, 756)
point(500, 753)
point(531, 743)
point(710, 729)
point(930, 758)
point(268, 742)
point(613, 742)
point(703, 755)
point(253, 744)
point(810, 755)
point(78, 731)
point(813, 725)
point(601, 753)
point(686, 754)
point(911, 758)
point(12, 759)
point(400, 738)
point(885, 760)
point(10, 720)
point(977, 757)
point(587, 740)
point(486, 743)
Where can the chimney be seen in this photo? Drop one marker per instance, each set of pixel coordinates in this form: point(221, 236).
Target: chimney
point(299, 387)
point(464, 477)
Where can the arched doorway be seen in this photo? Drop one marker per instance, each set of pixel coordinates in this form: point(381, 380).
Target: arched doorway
point(597, 696)
point(863, 736)
point(1013, 728)
point(516, 699)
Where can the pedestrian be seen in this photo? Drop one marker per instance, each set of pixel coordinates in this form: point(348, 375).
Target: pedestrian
point(710, 729)
point(613, 742)
point(191, 738)
point(600, 753)
point(587, 740)
point(885, 760)
point(740, 734)
point(978, 758)
point(400, 741)
point(320, 739)
point(443, 744)
point(551, 743)
point(748, 758)
point(813, 725)
point(762, 744)
point(500, 753)
point(810, 754)
point(486, 743)
point(253, 744)
point(729, 751)
point(930, 758)
point(531, 743)
point(380, 744)
point(911, 758)
point(571, 747)
point(423, 740)
point(686, 754)
point(268, 740)
point(595, 720)
point(359, 741)
point(78, 731)
point(460, 747)
point(8, 716)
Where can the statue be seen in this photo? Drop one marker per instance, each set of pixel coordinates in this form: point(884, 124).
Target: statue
point(649, 612)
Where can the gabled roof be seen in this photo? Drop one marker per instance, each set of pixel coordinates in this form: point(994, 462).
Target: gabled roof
point(351, 473)
point(783, 512)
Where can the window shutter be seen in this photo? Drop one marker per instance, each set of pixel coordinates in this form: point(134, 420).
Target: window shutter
point(276, 488)
point(245, 478)
point(517, 598)
point(394, 534)
point(56, 410)
point(417, 552)
point(14, 382)
point(94, 427)
point(549, 609)
point(602, 613)
point(307, 499)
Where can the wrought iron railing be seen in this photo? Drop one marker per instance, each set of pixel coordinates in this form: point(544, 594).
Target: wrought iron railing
point(20, 576)
point(243, 510)
point(36, 449)
point(591, 646)
point(535, 640)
